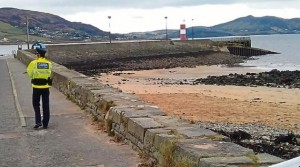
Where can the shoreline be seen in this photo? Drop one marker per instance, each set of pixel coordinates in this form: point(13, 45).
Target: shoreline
point(150, 85)
point(263, 113)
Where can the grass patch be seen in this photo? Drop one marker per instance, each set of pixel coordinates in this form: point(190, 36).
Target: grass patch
point(167, 149)
point(7, 29)
point(105, 106)
point(254, 159)
point(12, 33)
point(173, 132)
point(216, 137)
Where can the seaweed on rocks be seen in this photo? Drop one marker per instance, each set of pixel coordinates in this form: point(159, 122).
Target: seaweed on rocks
point(260, 138)
point(274, 78)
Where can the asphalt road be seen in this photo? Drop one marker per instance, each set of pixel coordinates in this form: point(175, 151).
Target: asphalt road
point(70, 140)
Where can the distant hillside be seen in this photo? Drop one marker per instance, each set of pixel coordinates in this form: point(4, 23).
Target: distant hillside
point(242, 26)
point(7, 29)
point(260, 25)
point(49, 25)
point(14, 34)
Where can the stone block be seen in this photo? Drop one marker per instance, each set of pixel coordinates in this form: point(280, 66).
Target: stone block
point(150, 137)
point(132, 139)
point(121, 115)
point(91, 87)
point(163, 144)
point(186, 159)
point(192, 132)
point(162, 139)
point(170, 121)
point(138, 126)
point(103, 90)
point(267, 159)
point(116, 127)
point(121, 100)
point(140, 145)
point(204, 148)
point(115, 115)
point(141, 111)
point(226, 161)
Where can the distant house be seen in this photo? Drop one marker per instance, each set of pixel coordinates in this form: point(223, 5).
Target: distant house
point(4, 40)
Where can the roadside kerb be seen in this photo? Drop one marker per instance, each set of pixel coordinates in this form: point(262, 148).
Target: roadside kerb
point(166, 139)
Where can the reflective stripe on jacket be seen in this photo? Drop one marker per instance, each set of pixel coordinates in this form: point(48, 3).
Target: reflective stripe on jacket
point(39, 70)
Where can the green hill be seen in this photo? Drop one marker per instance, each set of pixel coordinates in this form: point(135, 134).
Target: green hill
point(7, 30)
point(14, 34)
point(45, 25)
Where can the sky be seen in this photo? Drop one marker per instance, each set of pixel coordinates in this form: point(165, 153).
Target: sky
point(149, 15)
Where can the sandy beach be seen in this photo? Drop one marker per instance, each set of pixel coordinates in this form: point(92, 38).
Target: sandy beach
point(274, 107)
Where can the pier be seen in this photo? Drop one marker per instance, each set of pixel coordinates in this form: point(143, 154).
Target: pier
point(240, 46)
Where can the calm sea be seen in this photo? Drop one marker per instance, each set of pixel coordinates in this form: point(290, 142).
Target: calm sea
point(287, 45)
point(9, 49)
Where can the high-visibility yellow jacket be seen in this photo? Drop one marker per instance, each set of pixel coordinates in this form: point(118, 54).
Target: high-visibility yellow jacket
point(40, 72)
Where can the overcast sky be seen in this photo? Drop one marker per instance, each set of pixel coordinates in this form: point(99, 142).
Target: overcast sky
point(148, 15)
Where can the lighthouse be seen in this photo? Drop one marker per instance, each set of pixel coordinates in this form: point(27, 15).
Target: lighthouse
point(183, 32)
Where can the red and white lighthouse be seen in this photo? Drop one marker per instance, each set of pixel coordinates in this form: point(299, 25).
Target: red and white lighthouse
point(182, 32)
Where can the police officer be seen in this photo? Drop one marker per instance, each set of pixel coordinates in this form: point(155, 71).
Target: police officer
point(39, 71)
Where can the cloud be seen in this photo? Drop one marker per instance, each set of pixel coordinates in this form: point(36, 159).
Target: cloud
point(73, 6)
point(144, 15)
point(150, 4)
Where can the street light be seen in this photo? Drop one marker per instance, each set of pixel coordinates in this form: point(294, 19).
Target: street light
point(27, 29)
point(109, 17)
point(166, 27)
point(192, 30)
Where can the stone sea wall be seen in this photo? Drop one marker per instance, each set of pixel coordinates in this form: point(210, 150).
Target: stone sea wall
point(167, 140)
point(70, 53)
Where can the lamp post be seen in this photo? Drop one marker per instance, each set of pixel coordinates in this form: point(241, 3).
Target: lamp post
point(166, 27)
point(192, 30)
point(109, 17)
point(27, 29)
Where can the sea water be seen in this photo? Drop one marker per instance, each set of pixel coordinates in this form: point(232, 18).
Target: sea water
point(287, 45)
point(6, 50)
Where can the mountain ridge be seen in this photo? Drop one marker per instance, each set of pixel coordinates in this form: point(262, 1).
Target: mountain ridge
point(17, 17)
point(40, 22)
point(260, 25)
point(51, 26)
point(243, 26)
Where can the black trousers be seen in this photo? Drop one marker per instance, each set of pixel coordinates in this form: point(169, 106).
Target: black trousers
point(36, 96)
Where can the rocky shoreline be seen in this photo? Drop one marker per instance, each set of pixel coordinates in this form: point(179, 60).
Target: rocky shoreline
point(274, 78)
point(260, 138)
